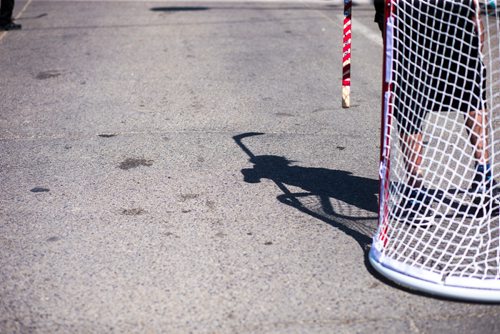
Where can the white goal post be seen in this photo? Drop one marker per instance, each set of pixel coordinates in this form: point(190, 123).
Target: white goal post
point(439, 214)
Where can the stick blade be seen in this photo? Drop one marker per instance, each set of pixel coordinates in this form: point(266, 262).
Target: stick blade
point(346, 96)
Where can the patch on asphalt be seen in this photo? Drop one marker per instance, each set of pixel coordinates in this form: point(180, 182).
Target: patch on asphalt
point(322, 109)
point(39, 190)
point(133, 212)
point(220, 235)
point(210, 204)
point(130, 163)
point(283, 114)
point(185, 197)
point(48, 74)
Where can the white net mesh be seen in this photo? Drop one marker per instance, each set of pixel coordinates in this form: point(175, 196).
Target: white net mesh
point(439, 212)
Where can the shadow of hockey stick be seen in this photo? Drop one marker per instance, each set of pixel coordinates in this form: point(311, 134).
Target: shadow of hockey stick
point(239, 141)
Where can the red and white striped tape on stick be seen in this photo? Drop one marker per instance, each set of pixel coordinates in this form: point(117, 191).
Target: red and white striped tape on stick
point(346, 55)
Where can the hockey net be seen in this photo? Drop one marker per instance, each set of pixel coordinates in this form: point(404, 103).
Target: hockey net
point(439, 224)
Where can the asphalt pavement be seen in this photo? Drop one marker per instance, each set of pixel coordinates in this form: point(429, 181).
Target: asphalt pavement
point(186, 167)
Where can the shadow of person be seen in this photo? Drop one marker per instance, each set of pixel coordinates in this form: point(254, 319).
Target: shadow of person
point(325, 183)
point(337, 197)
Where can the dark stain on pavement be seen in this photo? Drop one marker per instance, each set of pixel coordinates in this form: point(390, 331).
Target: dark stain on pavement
point(53, 239)
point(185, 197)
point(283, 114)
point(107, 135)
point(268, 243)
point(133, 212)
point(39, 190)
point(130, 163)
point(48, 74)
point(174, 9)
point(340, 148)
point(322, 109)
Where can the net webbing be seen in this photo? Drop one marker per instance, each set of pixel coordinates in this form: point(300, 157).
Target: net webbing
point(439, 209)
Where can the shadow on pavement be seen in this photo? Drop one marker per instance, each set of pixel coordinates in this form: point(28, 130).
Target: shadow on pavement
point(336, 197)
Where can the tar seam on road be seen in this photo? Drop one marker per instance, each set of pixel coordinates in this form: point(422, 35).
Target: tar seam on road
point(3, 33)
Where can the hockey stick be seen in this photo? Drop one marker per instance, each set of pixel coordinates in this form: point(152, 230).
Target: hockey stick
point(346, 55)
